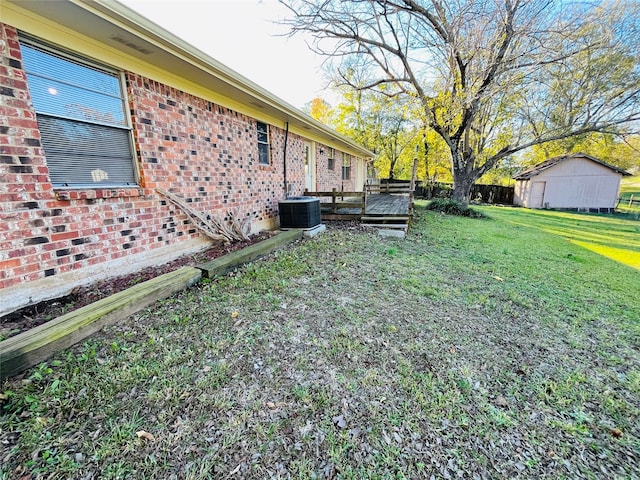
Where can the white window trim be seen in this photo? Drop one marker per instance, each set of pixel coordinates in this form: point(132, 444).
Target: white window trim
point(70, 56)
point(267, 143)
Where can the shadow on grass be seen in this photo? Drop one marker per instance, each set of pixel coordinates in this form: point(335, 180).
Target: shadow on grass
point(610, 236)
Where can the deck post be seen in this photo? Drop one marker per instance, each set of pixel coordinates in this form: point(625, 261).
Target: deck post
point(412, 186)
point(414, 169)
point(333, 200)
point(364, 200)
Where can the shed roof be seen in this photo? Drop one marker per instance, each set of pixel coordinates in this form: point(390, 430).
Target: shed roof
point(542, 166)
point(114, 24)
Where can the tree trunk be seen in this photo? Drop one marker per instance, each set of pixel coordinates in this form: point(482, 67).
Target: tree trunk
point(392, 167)
point(462, 189)
point(463, 177)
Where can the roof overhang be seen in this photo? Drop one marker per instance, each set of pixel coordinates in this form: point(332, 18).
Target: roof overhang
point(547, 164)
point(114, 24)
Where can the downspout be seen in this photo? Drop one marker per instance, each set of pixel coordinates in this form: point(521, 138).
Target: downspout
point(284, 160)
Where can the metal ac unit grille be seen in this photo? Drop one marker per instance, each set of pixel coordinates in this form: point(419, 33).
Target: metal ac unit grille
point(299, 212)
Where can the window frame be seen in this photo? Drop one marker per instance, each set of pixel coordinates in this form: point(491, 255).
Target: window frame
point(67, 55)
point(331, 159)
point(263, 144)
point(346, 167)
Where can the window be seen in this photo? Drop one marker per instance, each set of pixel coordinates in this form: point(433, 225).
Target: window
point(263, 143)
point(80, 109)
point(346, 167)
point(331, 161)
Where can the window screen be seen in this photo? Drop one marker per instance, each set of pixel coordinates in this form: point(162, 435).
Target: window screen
point(263, 143)
point(346, 166)
point(81, 116)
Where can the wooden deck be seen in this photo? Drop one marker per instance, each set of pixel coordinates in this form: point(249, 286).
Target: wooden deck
point(388, 204)
point(382, 210)
point(379, 204)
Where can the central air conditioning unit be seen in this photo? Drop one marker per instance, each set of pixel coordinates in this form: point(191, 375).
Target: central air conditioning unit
point(299, 212)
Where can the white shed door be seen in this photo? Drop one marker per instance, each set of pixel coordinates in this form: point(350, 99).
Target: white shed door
point(537, 194)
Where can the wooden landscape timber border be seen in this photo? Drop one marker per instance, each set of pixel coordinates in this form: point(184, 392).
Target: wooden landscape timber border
point(37, 344)
point(220, 266)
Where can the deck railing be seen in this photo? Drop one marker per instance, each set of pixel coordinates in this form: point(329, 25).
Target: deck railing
point(389, 188)
point(336, 200)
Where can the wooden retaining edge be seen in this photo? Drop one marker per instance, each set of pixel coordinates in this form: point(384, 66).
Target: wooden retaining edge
point(222, 265)
point(37, 344)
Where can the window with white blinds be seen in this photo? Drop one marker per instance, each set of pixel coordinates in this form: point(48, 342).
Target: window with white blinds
point(81, 115)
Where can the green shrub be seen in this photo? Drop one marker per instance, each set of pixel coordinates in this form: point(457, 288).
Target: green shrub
point(453, 207)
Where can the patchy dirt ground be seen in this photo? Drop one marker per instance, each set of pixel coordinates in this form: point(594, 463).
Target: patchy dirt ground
point(35, 315)
point(351, 356)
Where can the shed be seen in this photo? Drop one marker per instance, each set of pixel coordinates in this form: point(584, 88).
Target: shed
point(101, 109)
point(575, 181)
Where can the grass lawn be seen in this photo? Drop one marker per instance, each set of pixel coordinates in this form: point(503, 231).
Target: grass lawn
point(505, 347)
point(629, 186)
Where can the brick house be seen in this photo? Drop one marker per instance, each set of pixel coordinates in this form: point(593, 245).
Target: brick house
point(99, 108)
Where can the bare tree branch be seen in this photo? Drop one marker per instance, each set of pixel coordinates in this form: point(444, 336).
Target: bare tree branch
point(492, 77)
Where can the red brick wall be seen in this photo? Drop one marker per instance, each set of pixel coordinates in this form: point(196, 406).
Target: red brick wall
point(25, 240)
point(349, 185)
point(205, 153)
point(327, 179)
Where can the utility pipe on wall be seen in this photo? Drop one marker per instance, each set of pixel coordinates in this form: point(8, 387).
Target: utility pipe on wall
point(286, 139)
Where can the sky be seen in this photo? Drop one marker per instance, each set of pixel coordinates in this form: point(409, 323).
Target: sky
point(241, 34)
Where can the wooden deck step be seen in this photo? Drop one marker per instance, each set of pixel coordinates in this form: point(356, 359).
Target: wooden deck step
point(394, 226)
point(386, 218)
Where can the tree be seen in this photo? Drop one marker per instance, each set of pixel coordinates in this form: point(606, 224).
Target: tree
point(492, 77)
point(319, 109)
point(381, 124)
point(395, 133)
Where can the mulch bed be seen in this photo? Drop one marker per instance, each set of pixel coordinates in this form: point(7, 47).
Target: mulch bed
point(29, 317)
point(34, 315)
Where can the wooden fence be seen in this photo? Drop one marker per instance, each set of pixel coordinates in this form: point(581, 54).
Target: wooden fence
point(496, 194)
point(629, 202)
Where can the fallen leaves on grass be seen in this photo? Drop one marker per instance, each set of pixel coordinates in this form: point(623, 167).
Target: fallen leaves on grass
point(316, 383)
point(145, 435)
point(339, 421)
